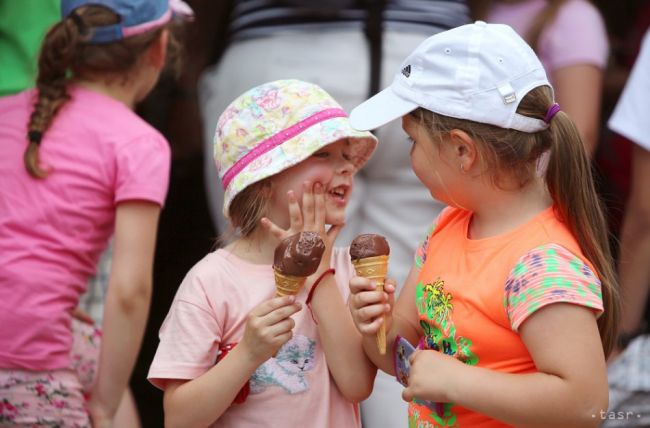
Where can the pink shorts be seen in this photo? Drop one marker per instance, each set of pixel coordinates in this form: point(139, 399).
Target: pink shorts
point(53, 398)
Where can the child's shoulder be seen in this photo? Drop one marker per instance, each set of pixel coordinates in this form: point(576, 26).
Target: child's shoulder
point(222, 262)
point(221, 273)
point(447, 217)
point(106, 117)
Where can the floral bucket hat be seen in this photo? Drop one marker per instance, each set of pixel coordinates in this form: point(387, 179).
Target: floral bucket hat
point(275, 126)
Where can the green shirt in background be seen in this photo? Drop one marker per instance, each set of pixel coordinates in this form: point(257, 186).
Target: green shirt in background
point(23, 24)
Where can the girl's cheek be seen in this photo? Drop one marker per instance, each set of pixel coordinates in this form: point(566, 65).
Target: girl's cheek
point(321, 174)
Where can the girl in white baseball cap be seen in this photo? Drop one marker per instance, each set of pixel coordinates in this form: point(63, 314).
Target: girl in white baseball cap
point(513, 285)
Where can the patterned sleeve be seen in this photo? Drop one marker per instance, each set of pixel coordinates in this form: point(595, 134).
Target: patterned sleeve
point(546, 275)
point(423, 246)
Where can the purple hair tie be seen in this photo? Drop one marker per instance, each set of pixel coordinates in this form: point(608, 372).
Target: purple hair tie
point(552, 111)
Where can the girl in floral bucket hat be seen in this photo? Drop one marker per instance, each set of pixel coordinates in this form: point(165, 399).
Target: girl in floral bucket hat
point(277, 144)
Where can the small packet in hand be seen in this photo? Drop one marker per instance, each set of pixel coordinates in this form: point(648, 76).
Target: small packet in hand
point(402, 350)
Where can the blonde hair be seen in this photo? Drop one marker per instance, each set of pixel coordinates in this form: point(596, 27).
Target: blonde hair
point(249, 206)
point(64, 54)
point(568, 178)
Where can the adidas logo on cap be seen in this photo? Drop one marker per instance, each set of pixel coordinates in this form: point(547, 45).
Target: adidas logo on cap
point(406, 71)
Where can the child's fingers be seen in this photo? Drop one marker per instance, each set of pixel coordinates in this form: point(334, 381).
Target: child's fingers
point(367, 298)
point(371, 327)
point(281, 328)
point(295, 216)
point(390, 285)
point(281, 313)
point(271, 305)
point(274, 229)
point(413, 356)
point(371, 313)
point(359, 284)
point(308, 206)
point(319, 204)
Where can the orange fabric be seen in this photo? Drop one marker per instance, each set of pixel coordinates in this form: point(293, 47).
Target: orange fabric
point(462, 303)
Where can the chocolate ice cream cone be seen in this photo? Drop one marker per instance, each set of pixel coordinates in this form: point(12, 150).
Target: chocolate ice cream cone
point(375, 268)
point(287, 285)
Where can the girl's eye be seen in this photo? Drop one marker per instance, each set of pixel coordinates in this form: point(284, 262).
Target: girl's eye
point(411, 140)
point(347, 156)
point(322, 154)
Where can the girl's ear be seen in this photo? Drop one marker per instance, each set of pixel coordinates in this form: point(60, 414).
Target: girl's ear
point(464, 149)
point(157, 53)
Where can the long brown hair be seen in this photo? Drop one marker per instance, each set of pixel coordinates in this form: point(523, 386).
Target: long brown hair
point(568, 178)
point(64, 55)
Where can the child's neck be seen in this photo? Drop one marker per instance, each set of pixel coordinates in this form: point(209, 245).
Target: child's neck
point(123, 93)
point(258, 248)
point(501, 211)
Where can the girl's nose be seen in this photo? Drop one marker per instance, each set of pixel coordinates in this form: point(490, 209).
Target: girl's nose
point(345, 165)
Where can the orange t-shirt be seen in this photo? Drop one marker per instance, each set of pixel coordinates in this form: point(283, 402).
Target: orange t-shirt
point(472, 296)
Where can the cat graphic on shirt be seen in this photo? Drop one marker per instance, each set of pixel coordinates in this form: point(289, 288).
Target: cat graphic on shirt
point(287, 370)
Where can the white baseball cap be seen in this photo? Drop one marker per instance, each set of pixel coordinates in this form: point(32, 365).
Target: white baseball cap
point(478, 72)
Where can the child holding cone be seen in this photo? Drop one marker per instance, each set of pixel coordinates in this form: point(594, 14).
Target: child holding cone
point(275, 145)
point(512, 298)
point(369, 254)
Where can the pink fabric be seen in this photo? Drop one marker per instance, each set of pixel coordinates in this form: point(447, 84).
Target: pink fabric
point(58, 398)
point(52, 231)
point(211, 308)
point(42, 399)
point(279, 138)
point(576, 36)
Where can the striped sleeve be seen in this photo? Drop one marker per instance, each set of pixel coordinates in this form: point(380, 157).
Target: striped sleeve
point(546, 275)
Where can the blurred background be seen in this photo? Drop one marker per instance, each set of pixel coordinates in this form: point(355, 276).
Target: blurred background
point(187, 228)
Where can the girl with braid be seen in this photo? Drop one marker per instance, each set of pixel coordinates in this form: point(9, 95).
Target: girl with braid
point(77, 165)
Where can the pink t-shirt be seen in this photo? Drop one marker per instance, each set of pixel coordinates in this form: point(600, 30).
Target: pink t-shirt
point(53, 230)
point(577, 35)
point(210, 311)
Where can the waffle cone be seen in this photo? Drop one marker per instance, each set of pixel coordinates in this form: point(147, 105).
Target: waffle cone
point(287, 285)
point(375, 269)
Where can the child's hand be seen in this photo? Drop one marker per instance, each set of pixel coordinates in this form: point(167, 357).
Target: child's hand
point(367, 305)
point(269, 326)
point(432, 376)
point(310, 217)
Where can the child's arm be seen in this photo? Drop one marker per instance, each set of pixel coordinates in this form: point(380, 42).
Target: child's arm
point(201, 401)
point(367, 307)
point(353, 373)
point(127, 305)
point(570, 389)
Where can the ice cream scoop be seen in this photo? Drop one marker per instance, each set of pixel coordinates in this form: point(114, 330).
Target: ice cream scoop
point(295, 258)
point(369, 245)
point(369, 255)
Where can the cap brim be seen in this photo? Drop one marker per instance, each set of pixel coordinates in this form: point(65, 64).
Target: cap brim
point(379, 110)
